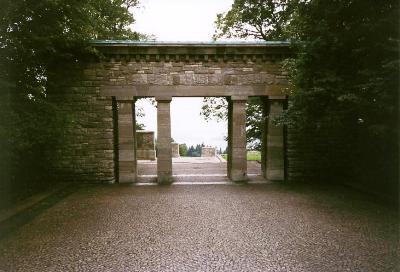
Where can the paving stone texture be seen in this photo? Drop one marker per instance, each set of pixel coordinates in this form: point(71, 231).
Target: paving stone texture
point(270, 227)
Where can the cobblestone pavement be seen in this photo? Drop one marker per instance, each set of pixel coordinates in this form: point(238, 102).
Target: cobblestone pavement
point(268, 227)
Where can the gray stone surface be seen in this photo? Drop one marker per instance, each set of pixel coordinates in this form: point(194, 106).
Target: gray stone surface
point(197, 169)
point(126, 141)
point(145, 145)
point(269, 227)
point(164, 147)
point(175, 150)
point(274, 146)
point(237, 170)
point(208, 151)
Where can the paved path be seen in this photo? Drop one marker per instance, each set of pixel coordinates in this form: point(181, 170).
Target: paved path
point(196, 169)
point(270, 227)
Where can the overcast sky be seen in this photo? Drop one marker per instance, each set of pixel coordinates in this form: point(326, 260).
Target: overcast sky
point(182, 20)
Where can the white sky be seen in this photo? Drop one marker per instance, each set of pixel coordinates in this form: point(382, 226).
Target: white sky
point(179, 20)
point(182, 20)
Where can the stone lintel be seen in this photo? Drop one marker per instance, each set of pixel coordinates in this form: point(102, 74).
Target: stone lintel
point(191, 91)
point(163, 98)
point(125, 99)
point(239, 98)
point(277, 97)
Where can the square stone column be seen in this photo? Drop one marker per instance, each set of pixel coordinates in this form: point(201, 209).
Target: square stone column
point(127, 163)
point(237, 153)
point(164, 148)
point(273, 148)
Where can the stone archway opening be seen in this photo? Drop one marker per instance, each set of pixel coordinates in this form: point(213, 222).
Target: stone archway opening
point(199, 142)
point(146, 135)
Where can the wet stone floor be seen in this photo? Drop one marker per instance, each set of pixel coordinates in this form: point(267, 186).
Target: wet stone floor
point(259, 227)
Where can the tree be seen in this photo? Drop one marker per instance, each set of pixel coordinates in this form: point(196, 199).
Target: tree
point(35, 38)
point(259, 19)
point(183, 150)
point(344, 80)
point(217, 108)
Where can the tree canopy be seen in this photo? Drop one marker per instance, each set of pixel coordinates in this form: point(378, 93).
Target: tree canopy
point(38, 40)
point(254, 19)
point(344, 77)
point(267, 20)
point(35, 36)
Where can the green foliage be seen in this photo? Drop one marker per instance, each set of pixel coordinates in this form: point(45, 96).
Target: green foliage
point(348, 63)
point(345, 80)
point(183, 150)
point(194, 151)
point(36, 36)
point(38, 41)
point(217, 108)
point(254, 123)
point(266, 19)
point(253, 156)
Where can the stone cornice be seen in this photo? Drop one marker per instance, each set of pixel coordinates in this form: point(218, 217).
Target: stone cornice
point(193, 51)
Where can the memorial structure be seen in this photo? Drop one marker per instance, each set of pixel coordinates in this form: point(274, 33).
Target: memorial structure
point(175, 150)
point(145, 145)
point(208, 151)
point(102, 96)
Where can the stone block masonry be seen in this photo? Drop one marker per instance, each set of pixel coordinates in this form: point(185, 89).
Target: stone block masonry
point(207, 151)
point(175, 150)
point(145, 145)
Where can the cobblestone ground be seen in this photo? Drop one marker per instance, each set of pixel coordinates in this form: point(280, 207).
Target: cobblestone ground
point(262, 227)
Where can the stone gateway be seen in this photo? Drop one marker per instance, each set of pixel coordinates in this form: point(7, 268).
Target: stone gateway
point(108, 147)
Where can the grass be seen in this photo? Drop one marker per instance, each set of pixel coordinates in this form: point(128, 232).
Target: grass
point(251, 156)
point(254, 156)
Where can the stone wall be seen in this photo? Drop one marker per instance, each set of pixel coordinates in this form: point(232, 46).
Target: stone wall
point(191, 73)
point(87, 152)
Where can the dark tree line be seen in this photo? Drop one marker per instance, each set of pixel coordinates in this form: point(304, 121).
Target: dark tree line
point(194, 151)
point(344, 81)
point(38, 41)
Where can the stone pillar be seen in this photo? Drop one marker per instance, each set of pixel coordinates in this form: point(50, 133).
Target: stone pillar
point(127, 163)
point(237, 157)
point(273, 161)
point(229, 149)
point(264, 134)
point(164, 148)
